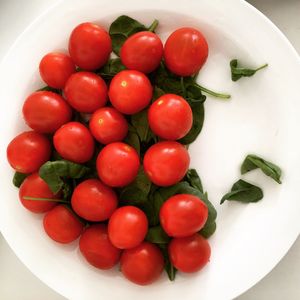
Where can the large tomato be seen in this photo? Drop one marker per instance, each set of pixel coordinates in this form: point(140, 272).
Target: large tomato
point(45, 111)
point(142, 51)
point(28, 151)
point(97, 249)
point(130, 91)
point(166, 163)
point(185, 51)
point(34, 186)
point(142, 264)
point(56, 68)
point(89, 46)
point(94, 201)
point(170, 117)
point(183, 215)
point(127, 227)
point(74, 142)
point(86, 92)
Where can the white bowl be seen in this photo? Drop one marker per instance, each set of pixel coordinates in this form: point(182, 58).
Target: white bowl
point(262, 117)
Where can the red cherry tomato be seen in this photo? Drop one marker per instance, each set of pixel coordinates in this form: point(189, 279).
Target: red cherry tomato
point(56, 68)
point(170, 117)
point(142, 52)
point(94, 201)
point(74, 142)
point(142, 264)
point(166, 163)
point(34, 186)
point(183, 215)
point(127, 227)
point(189, 254)
point(28, 151)
point(130, 91)
point(117, 164)
point(89, 46)
point(97, 249)
point(45, 111)
point(185, 51)
point(107, 125)
point(62, 225)
point(86, 92)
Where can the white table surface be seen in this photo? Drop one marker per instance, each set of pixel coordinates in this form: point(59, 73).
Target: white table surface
point(17, 282)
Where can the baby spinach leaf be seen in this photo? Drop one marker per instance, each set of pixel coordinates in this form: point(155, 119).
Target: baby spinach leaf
point(157, 92)
point(132, 139)
point(169, 268)
point(123, 27)
point(18, 179)
point(53, 173)
point(50, 89)
point(208, 230)
point(157, 235)
point(111, 68)
point(140, 123)
point(238, 72)
point(243, 191)
point(252, 162)
point(194, 180)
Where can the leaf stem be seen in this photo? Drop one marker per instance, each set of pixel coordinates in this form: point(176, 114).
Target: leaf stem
point(44, 199)
point(262, 67)
point(153, 26)
point(212, 93)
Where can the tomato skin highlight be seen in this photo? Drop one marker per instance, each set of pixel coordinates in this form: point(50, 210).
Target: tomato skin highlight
point(142, 51)
point(35, 186)
point(107, 125)
point(61, 225)
point(185, 51)
point(55, 69)
point(97, 249)
point(86, 92)
point(189, 254)
point(74, 142)
point(130, 91)
point(127, 227)
point(89, 46)
point(170, 117)
point(46, 111)
point(183, 215)
point(166, 163)
point(94, 201)
point(142, 264)
point(28, 151)
point(117, 164)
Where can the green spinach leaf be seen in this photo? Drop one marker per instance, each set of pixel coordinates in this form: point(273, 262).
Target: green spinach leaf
point(18, 179)
point(50, 89)
point(238, 72)
point(169, 268)
point(208, 230)
point(157, 235)
point(252, 162)
point(243, 191)
point(111, 68)
point(194, 180)
point(133, 140)
point(54, 173)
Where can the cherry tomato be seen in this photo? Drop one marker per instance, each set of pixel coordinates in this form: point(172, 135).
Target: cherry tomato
point(86, 92)
point(170, 117)
point(183, 215)
point(97, 249)
point(189, 254)
point(45, 111)
point(130, 91)
point(62, 225)
point(107, 125)
point(127, 227)
point(34, 186)
point(142, 264)
point(142, 51)
point(28, 151)
point(117, 164)
point(94, 201)
point(166, 163)
point(74, 142)
point(185, 51)
point(56, 68)
point(89, 46)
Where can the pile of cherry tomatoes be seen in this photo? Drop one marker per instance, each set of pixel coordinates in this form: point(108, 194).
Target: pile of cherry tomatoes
point(114, 234)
